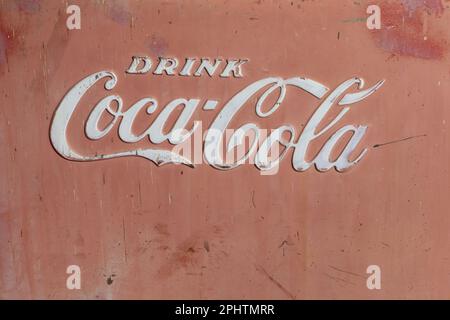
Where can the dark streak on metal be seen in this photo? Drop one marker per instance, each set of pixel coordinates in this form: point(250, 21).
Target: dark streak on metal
point(253, 199)
point(140, 195)
point(262, 270)
point(347, 272)
point(339, 279)
point(400, 140)
point(124, 239)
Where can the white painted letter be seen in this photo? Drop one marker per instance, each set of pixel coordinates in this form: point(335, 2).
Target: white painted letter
point(133, 69)
point(374, 280)
point(374, 20)
point(74, 20)
point(207, 66)
point(167, 65)
point(74, 280)
point(233, 66)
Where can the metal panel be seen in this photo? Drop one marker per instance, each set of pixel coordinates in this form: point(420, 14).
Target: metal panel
point(359, 93)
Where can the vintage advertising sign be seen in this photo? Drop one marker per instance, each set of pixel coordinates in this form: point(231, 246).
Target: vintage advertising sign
point(224, 150)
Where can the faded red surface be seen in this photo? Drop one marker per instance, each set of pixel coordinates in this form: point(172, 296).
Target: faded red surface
point(405, 29)
point(141, 231)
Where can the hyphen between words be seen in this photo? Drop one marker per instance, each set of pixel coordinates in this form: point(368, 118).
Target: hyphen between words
point(213, 142)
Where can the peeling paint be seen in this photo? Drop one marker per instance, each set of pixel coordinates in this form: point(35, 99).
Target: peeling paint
point(433, 6)
point(28, 6)
point(404, 30)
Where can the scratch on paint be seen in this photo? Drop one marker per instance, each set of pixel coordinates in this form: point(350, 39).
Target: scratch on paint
point(253, 199)
point(339, 279)
point(399, 140)
point(347, 272)
point(263, 271)
point(124, 240)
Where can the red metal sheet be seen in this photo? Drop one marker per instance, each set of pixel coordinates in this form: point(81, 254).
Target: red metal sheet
point(138, 230)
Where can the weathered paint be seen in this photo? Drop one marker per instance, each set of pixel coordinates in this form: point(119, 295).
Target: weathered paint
point(409, 29)
point(141, 231)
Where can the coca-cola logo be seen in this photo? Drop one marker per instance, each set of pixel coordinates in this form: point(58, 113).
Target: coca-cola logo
point(268, 147)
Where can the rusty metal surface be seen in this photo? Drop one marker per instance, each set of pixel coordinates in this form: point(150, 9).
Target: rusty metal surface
point(141, 231)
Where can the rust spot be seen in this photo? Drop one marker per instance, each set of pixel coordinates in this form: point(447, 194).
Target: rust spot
point(157, 45)
point(432, 6)
point(403, 29)
point(191, 250)
point(120, 15)
point(28, 6)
